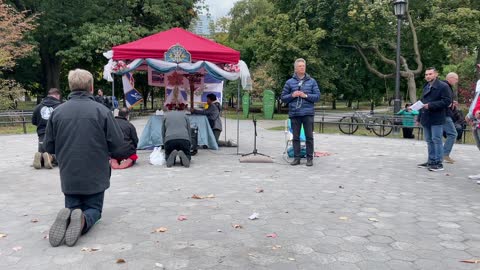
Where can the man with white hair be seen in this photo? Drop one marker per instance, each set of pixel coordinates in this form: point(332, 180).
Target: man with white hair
point(82, 133)
point(449, 127)
point(300, 93)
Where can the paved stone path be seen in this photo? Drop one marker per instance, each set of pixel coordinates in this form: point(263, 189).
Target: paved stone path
point(366, 206)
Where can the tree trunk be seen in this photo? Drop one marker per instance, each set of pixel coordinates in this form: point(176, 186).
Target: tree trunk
point(51, 70)
point(412, 88)
point(334, 103)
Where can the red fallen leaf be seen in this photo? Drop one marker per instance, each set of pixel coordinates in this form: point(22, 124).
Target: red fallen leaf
point(322, 154)
point(195, 196)
point(34, 220)
point(121, 261)
point(272, 235)
point(237, 226)
point(181, 218)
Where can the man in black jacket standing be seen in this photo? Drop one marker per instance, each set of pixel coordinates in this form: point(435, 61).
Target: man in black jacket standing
point(40, 116)
point(81, 133)
point(126, 156)
point(436, 98)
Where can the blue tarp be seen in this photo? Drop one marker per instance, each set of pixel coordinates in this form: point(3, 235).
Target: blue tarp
point(152, 133)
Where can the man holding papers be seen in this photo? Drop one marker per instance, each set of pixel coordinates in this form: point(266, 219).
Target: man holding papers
point(436, 97)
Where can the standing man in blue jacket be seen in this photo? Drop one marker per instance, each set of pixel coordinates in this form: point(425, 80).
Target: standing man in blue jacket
point(300, 93)
point(436, 98)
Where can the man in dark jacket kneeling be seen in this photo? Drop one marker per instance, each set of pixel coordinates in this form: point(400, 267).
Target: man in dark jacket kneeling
point(81, 133)
point(126, 156)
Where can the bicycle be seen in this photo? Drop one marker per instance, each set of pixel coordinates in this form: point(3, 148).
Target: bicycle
point(380, 125)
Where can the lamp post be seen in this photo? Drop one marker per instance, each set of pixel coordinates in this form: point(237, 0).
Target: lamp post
point(399, 8)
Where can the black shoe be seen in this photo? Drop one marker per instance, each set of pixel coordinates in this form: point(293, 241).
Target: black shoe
point(295, 162)
point(56, 235)
point(309, 162)
point(423, 165)
point(171, 158)
point(436, 167)
point(184, 159)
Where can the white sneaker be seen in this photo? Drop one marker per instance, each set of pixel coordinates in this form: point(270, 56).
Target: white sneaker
point(474, 177)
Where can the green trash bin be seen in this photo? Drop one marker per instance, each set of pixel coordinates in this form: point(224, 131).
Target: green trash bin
point(246, 104)
point(268, 104)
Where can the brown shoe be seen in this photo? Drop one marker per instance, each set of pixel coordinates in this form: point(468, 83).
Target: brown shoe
point(37, 161)
point(47, 161)
point(448, 159)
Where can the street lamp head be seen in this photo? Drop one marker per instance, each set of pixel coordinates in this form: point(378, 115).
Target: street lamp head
point(399, 7)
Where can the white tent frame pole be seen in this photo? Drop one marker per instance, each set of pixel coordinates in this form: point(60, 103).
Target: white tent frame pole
point(238, 117)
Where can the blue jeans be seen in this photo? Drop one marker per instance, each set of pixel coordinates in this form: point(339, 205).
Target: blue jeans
point(307, 122)
point(91, 206)
point(433, 137)
point(451, 132)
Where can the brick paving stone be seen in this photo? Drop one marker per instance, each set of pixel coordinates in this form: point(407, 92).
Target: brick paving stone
point(422, 219)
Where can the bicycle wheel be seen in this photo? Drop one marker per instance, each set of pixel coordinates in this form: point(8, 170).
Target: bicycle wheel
point(382, 127)
point(348, 125)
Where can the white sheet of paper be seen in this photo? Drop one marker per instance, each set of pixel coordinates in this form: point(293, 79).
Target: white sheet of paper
point(417, 105)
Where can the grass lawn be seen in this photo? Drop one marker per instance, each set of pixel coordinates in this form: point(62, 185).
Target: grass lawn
point(259, 116)
point(17, 129)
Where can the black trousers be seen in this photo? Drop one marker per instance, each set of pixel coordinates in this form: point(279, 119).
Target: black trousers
point(178, 145)
point(91, 206)
point(307, 122)
point(217, 133)
point(408, 133)
point(41, 149)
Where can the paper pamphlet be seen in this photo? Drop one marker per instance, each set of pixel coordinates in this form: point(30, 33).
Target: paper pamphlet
point(417, 105)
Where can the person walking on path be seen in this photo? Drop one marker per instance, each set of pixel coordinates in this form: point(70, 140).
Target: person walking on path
point(300, 93)
point(82, 133)
point(449, 126)
point(436, 97)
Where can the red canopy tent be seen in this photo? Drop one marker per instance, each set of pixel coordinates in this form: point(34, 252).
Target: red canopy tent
point(156, 45)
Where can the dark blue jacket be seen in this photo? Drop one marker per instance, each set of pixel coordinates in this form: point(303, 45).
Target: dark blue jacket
point(298, 106)
point(438, 97)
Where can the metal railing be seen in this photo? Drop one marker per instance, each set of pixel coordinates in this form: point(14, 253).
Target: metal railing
point(328, 119)
point(14, 118)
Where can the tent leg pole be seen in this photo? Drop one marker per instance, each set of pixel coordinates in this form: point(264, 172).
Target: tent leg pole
point(113, 88)
point(238, 117)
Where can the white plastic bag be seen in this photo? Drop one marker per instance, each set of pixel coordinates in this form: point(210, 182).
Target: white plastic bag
point(157, 157)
